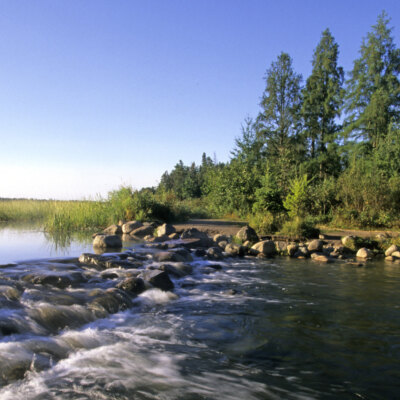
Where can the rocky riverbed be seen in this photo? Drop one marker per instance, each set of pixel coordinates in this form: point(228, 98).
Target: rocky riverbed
point(56, 315)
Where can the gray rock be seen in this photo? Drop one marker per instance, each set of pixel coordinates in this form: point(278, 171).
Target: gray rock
point(165, 230)
point(132, 285)
point(281, 247)
point(104, 241)
point(142, 231)
point(315, 245)
point(130, 226)
point(247, 233)
point(233, 249)
point(363, 253)
point(220, 238)
point(266, 247)
point(214, 253)
point(321, 258)
point(168, 256)
point(391, 250)
point(292, 249)
point(396, 254)
point(113, 230)
point(178, 269)
point(158, 279)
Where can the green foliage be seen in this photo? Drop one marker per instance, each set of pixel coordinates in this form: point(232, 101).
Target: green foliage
point(296, 202)
point(279, 121)
point(372, 99)
point(264, 223)
point(268, 197)
point(299, 228)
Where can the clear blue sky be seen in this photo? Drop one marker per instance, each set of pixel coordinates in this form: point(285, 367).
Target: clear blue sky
point(95, 93)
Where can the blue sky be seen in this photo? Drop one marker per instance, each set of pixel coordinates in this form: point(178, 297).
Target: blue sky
point(95, 94)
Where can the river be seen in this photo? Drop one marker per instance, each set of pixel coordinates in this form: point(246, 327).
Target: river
point(254, 329)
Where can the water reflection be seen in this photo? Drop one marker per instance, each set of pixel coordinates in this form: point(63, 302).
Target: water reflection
point(21, 242)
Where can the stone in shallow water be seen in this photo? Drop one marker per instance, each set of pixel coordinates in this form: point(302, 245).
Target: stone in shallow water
point(158, 279)
point(104, 241)
point(133, 286)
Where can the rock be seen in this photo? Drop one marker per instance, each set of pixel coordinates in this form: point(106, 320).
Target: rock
point(389, 258)
point(142, 231)
point(174, 236)
point(380, 237)
point(321, 236)
point(302, 252)
point(165, 230)
point(363, 253)
point(194, 233)
point(113, 230)
point(214, 253)
point(292, 249)
point(200, 253)
point(266, 247)
point(183, 253)
point(168, 256)
point(391, 250)
point(133, 286)
point(233, 249)
point(158, 239)
point(320, 258)
point(247, 233)
point(158, 279)
point(104, 241)
point(130, 226)
point(220, 238)
point(112, 301)
point(178, 269)
point(222, 244)
point(315, 245)
point(396, 254)
point(350, 242)
point(281, 247)
point(196, 242)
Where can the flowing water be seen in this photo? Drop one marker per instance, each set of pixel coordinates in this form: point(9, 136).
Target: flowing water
point(254, 329)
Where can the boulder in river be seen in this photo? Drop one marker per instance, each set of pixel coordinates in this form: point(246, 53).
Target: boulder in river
point(233, 249)
point(266, 247)
point(165, 230)
point(391, 250)
point(143, 231)
point(247, 233)
point(315, 245)
point(130, 226)
point(113, 230)
point(132, 285)
point(104, 241)
point(364, 253)
point(158, 279)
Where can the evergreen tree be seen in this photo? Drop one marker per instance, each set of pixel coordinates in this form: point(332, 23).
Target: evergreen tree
point(279, 120)
point(373, 98)
point(322, 100)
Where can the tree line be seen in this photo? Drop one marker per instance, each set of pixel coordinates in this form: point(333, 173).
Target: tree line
point(323, 150)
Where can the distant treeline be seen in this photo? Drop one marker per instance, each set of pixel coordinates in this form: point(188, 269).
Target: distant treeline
point(323, 150)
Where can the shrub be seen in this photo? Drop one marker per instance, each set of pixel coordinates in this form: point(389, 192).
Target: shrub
point(299, 228)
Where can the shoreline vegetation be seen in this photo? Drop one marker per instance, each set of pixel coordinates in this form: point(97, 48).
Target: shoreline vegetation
point(323, 153)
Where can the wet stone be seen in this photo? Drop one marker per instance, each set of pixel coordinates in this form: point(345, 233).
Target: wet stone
point(133, 286)
point(158, 279)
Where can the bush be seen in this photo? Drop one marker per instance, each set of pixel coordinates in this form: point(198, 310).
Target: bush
point(263, 223)
point(299, 228)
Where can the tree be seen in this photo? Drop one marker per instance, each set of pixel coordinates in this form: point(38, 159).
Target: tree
point(373, 90)
point(279, 120)
point(322, 100)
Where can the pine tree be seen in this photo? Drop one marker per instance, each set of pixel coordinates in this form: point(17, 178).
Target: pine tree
point(279, 120)
point(322, 100)
point(373, 99)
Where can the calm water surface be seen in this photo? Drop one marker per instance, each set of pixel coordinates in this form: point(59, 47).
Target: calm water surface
point(292, 330)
